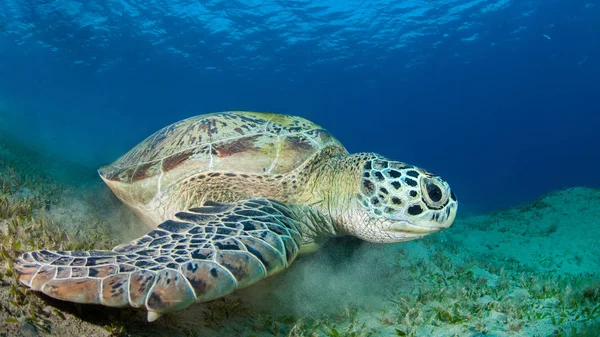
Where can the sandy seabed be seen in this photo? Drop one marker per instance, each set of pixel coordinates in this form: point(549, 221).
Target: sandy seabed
point(531, 270)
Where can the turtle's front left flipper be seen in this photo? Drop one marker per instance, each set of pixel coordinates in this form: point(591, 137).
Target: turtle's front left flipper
point(201, 254)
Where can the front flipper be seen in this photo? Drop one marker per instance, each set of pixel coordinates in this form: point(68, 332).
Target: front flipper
point(201, 254)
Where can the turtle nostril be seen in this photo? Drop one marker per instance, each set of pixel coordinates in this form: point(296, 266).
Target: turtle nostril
point(433, 191)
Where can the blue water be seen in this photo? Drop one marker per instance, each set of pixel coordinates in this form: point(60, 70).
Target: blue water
point(501, 97)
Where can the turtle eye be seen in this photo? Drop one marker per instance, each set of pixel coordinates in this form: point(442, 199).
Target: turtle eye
point(433, 193)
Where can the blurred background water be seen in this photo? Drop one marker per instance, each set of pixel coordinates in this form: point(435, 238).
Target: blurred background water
point(500, 97)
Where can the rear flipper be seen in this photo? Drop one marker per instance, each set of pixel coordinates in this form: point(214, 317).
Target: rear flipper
point(202, 254)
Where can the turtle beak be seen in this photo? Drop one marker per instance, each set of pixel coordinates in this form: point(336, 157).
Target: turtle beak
point(404, 228)
point(411, 228)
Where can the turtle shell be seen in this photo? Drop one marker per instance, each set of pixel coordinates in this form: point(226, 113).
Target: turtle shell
point(236, 141)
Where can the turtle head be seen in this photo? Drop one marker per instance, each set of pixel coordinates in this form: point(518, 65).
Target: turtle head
point(399, 202)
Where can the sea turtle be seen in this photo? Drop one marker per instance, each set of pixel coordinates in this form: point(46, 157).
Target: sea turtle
point(232, 198)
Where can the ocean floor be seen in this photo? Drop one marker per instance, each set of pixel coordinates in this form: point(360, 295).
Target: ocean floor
point(531, 270)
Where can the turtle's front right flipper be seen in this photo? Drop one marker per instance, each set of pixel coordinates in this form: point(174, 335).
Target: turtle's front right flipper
point(201, 254)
